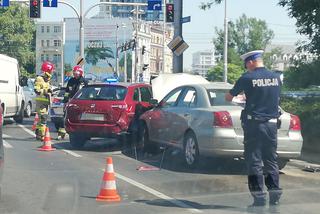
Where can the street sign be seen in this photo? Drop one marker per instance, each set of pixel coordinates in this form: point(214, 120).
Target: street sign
point(80, 61)
point(4, 3)
point(186, 19)
point(154, 4)
point(178, 45)
point(50, 3)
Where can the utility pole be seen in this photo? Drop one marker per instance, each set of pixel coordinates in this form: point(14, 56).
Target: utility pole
point(225, 51)
point(125, 52)
point(135, 78)
point(81, 42)
point(117, 51)
point(178, 60)
point(164, 35)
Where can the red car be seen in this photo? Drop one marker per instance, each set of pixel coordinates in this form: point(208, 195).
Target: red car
point(105, 110)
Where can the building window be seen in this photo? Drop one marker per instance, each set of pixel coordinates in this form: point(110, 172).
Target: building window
point(56, 58)
point(57, 29)
point(42, 57)
point(48, 29)
point(57, 43)
point(47, 57)
point(42, 29)
point(42, 43)
point(48, 43)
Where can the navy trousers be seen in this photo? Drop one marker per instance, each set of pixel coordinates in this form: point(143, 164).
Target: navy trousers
point(260, 151)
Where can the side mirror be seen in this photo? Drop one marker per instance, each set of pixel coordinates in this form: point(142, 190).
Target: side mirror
point(154, 102)
point(23, 81)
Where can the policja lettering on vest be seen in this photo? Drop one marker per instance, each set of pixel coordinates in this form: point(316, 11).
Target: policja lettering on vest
point(265, 82)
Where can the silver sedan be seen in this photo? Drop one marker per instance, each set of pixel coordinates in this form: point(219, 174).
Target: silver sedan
point(198, 120)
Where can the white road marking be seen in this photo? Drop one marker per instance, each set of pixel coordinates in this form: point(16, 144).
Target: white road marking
point(7, 145)
point(6, 136)
point(67, 151)
point(57, 146)
point(157, 193)
point(27, 130)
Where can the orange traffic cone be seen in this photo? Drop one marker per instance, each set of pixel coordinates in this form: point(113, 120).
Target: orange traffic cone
point(108, 191)
point(35, 122)
point(47, 142)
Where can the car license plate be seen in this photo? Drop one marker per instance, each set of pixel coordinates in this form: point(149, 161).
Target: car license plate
point(86, 116)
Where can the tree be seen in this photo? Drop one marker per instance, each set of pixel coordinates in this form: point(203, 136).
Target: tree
point(307, 14)
point(245, 34)
point(303, 75)
point(17, 33)
point(93, 55)
point(268, 60)
point(216, 73)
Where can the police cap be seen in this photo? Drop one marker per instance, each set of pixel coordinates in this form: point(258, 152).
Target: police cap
point(252, 55)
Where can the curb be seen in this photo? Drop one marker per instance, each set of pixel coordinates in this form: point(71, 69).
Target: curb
point(302, 164)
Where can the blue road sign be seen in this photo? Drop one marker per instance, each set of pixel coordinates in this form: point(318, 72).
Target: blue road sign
point(50, 3)
point(154, 4)
point(4, 3)
point(186, 19)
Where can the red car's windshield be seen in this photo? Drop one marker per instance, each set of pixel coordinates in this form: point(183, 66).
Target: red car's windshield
point(102, 93)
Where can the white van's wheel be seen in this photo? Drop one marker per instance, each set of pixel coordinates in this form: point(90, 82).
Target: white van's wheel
point(19, 118)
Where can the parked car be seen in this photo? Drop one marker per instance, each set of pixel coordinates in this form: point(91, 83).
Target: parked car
point(30, 95)
point(104, 110)
point(56, 111)
point(198, 120)
point(1, 149)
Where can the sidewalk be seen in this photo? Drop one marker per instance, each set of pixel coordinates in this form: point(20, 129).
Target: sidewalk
point(310, 156)
point(308, 159)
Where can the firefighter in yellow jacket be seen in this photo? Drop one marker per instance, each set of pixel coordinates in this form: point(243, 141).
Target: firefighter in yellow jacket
point(43, 90)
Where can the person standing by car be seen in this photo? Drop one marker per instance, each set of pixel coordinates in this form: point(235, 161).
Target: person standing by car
point(42, 88)
point(262, 91)
point(73, 85)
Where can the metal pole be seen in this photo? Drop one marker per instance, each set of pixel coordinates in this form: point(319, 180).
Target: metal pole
point(135, 78)
point(81, 30)
point(125, 54)
point(117, 52)
point(225, 51)
point(178, 60)
point(164, 35)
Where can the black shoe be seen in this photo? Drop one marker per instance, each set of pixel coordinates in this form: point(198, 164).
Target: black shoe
point(258, 204)
point(257, 207)
point(274, 202)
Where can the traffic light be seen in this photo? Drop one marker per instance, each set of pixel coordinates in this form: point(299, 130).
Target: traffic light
point(35, 8)
point(143, 50)
point(145, 66)
point(169, 13)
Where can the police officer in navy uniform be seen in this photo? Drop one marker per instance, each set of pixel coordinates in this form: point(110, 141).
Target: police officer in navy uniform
point(259, 118)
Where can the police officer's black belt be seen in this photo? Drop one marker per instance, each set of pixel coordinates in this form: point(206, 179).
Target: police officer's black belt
point(252, 118)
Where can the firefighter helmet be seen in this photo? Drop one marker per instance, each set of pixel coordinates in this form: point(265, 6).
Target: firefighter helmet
point(77, 71)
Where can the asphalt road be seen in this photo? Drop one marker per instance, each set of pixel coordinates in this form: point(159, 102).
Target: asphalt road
point(68, 181)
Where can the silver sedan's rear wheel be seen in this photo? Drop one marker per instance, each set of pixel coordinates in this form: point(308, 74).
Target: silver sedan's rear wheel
point(28, 111)
point(191, 150)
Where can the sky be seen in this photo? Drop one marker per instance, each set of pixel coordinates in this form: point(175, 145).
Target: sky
point(199, 32)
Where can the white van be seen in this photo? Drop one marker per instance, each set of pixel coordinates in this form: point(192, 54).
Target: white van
point(11, 89)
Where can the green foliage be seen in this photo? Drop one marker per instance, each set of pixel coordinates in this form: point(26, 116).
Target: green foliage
point(207, 5)
point(307, 14)
point(216, 73)
point(17, 36)
point(267, 57)
point(93, 55)
point(245, 34)
point(302, 75)
point(308, 110)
